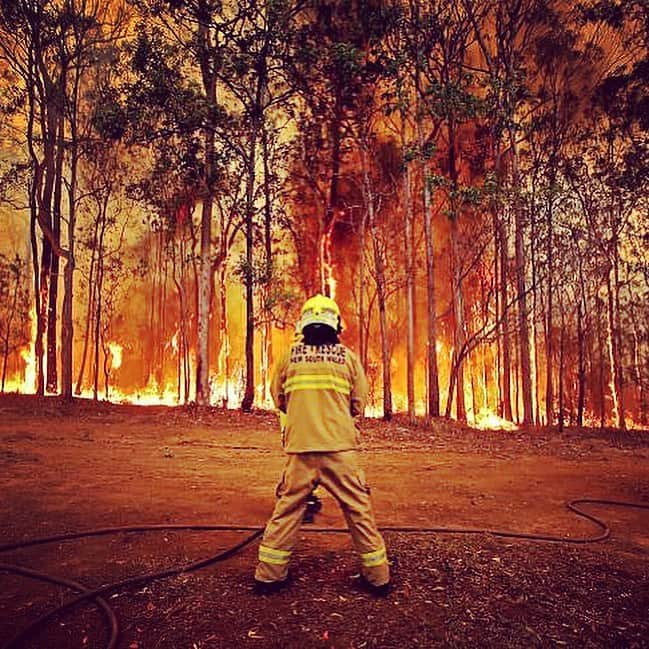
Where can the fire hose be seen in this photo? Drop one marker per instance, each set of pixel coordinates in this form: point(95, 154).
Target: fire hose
point(97, 594)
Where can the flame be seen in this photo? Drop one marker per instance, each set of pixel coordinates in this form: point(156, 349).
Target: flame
point(116, 355)
point(329, 283)
point(29, 357)
point(151, 396)
point(26, 384)
point(488, 420)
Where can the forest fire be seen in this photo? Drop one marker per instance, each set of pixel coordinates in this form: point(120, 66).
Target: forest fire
point(424, 224)
point(480, 268)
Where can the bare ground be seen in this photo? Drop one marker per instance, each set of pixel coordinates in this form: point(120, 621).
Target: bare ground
point(69, 468)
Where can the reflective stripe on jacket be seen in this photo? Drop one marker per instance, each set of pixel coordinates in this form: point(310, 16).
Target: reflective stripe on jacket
point(321, 389)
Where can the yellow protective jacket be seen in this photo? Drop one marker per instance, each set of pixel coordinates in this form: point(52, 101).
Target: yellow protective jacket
point(321, 389)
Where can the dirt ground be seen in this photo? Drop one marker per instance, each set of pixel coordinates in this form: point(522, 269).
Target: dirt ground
point(93, 465)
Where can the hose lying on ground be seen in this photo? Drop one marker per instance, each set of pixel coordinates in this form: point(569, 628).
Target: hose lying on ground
point(96, 594)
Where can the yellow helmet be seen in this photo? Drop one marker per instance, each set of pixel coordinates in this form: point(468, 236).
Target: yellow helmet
point(320, 309)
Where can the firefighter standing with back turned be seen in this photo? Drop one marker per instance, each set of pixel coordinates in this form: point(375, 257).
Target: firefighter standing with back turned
point(320, 385)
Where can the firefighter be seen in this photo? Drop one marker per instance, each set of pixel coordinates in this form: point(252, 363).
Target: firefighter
point(320, 386)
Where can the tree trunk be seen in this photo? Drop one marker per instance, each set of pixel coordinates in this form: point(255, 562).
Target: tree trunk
point(249, 393)
point(89, 310)
point(523, 324)
point(327, 282)
point(549, 388)
point(39, 387)
point(601, 378)
point(49, 263)
point(67, 324)
point(184, 328)
point(533, 320)
point(410, 297)
point(267, 341)
point(459, 340)
point(506, 390)
point(380, 286)
point(410, 276)
point(362, 338)
point(483, 356)
point(581, 343)
point(499, 324)
point(431, 338)
point(459, 337)
point(614, 354)
point(52, 311)
point(637, 369)
point(10, 318)
point(224, 355)
point(561, 370)
point(98, 306)
point(204, 289)
point(617, 333)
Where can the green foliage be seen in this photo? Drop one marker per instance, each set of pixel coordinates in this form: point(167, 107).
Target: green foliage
point(436, 181)
point(110, 118)
point(453, 100)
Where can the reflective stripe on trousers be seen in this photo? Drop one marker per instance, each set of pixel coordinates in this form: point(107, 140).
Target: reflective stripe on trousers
point(273, 555)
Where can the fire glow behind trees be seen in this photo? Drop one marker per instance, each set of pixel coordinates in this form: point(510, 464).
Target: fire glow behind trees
point(467, 179)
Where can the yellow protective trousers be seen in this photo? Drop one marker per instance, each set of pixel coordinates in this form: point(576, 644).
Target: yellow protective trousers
point(339, 473)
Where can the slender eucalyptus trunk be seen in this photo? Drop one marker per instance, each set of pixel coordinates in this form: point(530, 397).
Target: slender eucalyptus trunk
point(549, 323)
point(249, 393)
point(410, 295)
point(521, 285)
point(459, 337)
point(39, 386)
point(224, 355)
point(89, 309)
point(9, 323)
point(506, 372)
point(617, 333)
point(614, 351)
point(52, 311)
point(601, 366)
point(379, 267)
point(267, 340)
point(362, 338)
point(562, 355)
point(581, 344)
point(204, 288)
point(204, 300)
point(431, 337)
point(98, 305)
point(637, 370)
point(67, 324)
